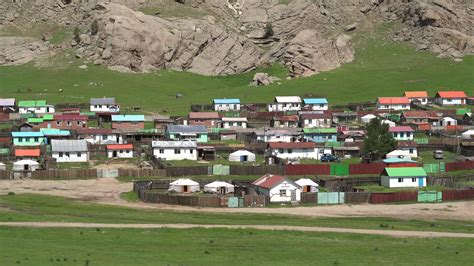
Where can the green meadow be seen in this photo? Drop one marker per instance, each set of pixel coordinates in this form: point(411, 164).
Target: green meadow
point(96, 246)
point(380, 69)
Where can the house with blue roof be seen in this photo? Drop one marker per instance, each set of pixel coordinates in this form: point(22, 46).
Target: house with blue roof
point(128, 122)
point(54, 133)
point(317, 104)
point(226, 105)
point(28, 138)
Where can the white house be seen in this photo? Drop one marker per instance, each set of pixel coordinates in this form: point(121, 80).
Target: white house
point(317, 104)
point(420, 97)
point(450, 98)
point(397, 177)
point(297, 150)
point(242, 156)
point(7, 105)
point(120, 151)
point(393, 103)
point(219, 187)
point(410, 148)
point(25, 165)
point(184, 185)
point(175, 150)
point(468, 135)
point(285, 103)
point(307, 185)
point(401, 132)
point(226, 105)
point(277, 135)
point(101, 136)
point(448, 121)
point(104, 105)
point(278, 188)
point(69, 151)
point(316, 120)
point(35, 107)
point(234, 122)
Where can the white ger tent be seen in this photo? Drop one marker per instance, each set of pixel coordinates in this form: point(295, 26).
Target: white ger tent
point(184, 185)
point(307, 185)
point(3, 167)
point(367, 118)
point(219, 187)
point(242, 156)
point(25, 165)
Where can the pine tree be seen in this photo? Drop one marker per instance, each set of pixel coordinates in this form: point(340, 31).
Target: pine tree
point(378, 141)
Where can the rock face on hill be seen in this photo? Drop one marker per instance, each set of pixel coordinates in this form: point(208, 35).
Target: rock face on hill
point(219, 37)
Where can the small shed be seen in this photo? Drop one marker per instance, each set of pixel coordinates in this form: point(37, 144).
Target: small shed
point(184, 185)
point(307, 185)
point(242, 156)
point(403, 177)
point(219, 187)
point(25, 165)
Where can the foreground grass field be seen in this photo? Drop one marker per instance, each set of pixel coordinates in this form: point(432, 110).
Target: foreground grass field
point(30, 246)
point(29, 207)
point(380, 69)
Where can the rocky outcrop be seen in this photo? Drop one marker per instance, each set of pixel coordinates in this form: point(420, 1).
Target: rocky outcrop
point(20, 50)
point(308, 53)
point(263, 79)
point(131, 40)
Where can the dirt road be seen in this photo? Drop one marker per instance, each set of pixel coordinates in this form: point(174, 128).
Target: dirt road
point(107, 191)
point(393, 233)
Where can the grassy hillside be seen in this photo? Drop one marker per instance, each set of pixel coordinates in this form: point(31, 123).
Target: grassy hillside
point(381, 69)
point(32, 246)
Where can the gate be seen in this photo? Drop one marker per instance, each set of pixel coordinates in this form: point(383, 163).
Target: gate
point(340, 169)
point(331, 197)
point(430, 196)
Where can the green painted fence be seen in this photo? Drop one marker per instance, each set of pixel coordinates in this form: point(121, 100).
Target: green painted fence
point(430, 196)
point(340, 169)
point(435, 167)
point(233, 202)
point(331, 197)
point(421, 140)
point(219, 169)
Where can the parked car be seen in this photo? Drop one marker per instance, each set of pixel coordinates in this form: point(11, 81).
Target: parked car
point(438, 154)
point(330, 158)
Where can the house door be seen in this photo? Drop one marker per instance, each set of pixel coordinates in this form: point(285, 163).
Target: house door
point(185, 189)
point(114, 154)
point(222, 190)
point(243, 158)
point(25, 167)
point(293, 195)
point(307, 188)
point(420, 181)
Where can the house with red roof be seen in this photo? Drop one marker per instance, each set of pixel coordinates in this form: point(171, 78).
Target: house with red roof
point(285, 121)
point(27, 153)
point(278, 188)
point(446, 98)
point(69, 121)
point(208, 119)
point(420, 97)
point(402, 133)
point(393, 103)
point(298, 150)
point(120, 151)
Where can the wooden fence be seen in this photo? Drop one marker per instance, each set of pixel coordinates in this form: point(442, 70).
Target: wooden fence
point(4, 175)
point(458, 166)
point(64, 174)
point(308, 169)
point(466, 194)
point(187, 171)
point(257, 170)
point(142, 172)
point(187, 200)
point(357, 197)
point(406, 196)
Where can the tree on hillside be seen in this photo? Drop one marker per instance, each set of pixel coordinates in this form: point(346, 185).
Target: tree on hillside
point(268, 30)
point(378, 141)
point(94, 27)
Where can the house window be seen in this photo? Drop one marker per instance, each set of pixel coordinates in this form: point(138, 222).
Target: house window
point(282, 192)
point(413, 179)
point(400, 180)
point(321, 105)
point(36, 139)
point(78, 123)
point(104, 137)
point(161, 151)
point(95, 106)
point(67, 154)
point(79, 154)
point(27, 139)
point(69, 123)
point(191, 151)
point(411, 151)
point(177, 151)
point(386, 106)
point(280, 151)
point(449, 100)
point(404, 106)
point(61, 154)
point(20, 139)
point(290, 151)
point(58, 123)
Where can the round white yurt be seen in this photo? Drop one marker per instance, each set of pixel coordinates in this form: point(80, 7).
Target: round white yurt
point(388, 122)
point(3, 167)
point(367, 118)
point(184, 185)
point(219, 187)
point(307, 185)
point(25, 165)
point(242, 156)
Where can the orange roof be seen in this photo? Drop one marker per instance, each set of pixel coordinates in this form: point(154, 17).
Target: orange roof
point(27, 153)
point(119, 147)
point(416, 94)
point(393, 100)
point(451, 94)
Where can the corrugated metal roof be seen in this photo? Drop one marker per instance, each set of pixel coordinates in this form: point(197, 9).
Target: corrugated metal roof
point(27, 134)
point(416, 94)
point(405, 171)
point(226, 101)
point(400, 129)
point(40, 103)
point(186, 129)
point(292, 145)
point(68, 145)
point(331, 130)
point(451, 94)
point(234, 119)
point(398, 160)
point(203, 115)
point(288, 99)
point(174, 144)
point(315, 101)
point(55, 132)
point(393, 100)
point(27, 152)
point(104, 100)
point(128, 118)
point(7, 102)
point(119, 147)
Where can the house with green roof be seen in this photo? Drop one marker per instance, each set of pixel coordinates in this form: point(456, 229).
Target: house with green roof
point(399, 177)
point(320, 135)
point(35, 107)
